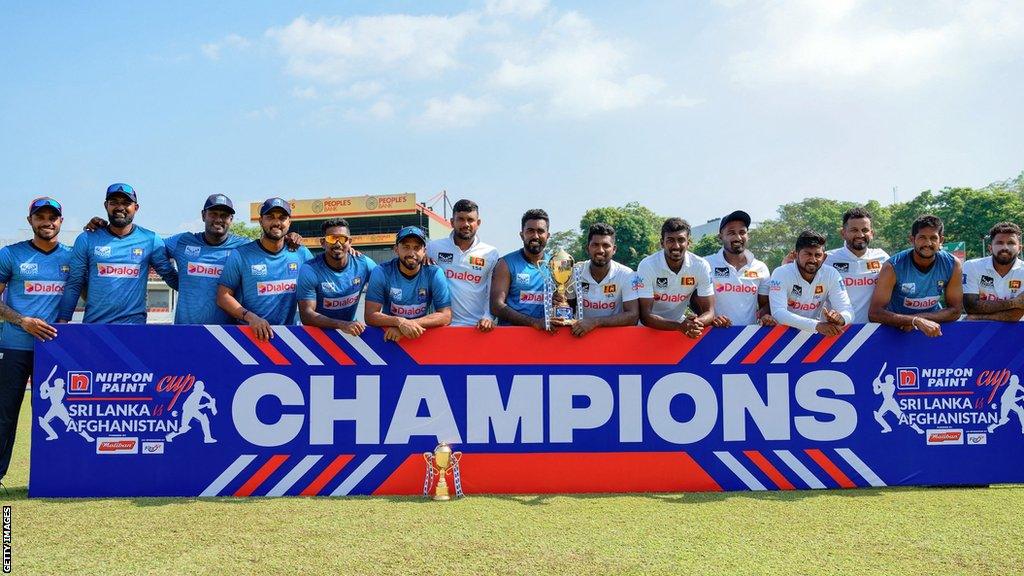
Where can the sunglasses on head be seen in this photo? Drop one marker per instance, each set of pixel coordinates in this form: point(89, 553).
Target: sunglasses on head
point(44, 202)
point(123, 188)
point(335, 239)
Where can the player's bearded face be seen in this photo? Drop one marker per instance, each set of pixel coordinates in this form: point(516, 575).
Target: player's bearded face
point(535, 236)
point(1005, 248)
point(217, 222)
point(45, 223)
point(465, 225)
point(120, 211)
point(810, 259)
point(926, 243)
point(275, 224)
point(601, 249)
point(858, 233)
point(410, 252)
point(675, 245)
point(734, 238)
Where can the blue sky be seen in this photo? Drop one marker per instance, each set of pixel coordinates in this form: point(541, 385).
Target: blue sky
point(691, 108)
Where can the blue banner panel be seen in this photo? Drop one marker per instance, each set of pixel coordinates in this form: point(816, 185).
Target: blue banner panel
point(211, 411)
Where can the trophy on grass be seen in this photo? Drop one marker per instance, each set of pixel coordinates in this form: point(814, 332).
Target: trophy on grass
point(562, 270)
point(440, 462)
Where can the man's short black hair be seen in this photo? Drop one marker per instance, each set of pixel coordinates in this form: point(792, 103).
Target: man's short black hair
point(534, 214)
point(465, 206)
point(810, 239)
point(1004, 228)
point(854, 213)
point(600, 229)
point(926, 221)
point(332, 223)
point(675, 225)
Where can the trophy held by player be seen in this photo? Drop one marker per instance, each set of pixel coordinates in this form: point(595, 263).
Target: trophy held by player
point(561, 271)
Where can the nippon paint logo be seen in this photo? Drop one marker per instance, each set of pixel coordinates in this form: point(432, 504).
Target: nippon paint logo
point(117, 270)
point(43, 288)
point(114, 445)
point(79, 383)
point(908, 378)
point(950, 436)
point(204, 270)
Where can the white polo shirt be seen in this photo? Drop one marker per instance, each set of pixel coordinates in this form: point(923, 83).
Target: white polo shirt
point(736, 290)
point(605, 298)
point(859, 276)
point(469, 277)
point(670, 290)
point(798, 303)
point(981, 278)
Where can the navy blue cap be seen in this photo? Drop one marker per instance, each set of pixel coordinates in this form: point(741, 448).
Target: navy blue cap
point(271, 203)
point(44, 202)
point(738, 215)
point(410, 231)
point(219, 201)
point(122, 188)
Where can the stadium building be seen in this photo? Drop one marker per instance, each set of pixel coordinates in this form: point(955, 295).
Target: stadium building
point(373, 220)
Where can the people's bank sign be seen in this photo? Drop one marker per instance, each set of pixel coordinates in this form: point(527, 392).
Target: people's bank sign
point(211, 411)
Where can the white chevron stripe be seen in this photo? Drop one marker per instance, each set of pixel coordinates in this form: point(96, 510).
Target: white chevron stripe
point(357, 475)
point(286, 335)
point(364, 349)
point(801, 338)
point(859, 465)
point(228, 475)
point(741, 472)
point(292, 477)
point(228, 342)
point(802, 471)
point(856, 342)
point(742, 338)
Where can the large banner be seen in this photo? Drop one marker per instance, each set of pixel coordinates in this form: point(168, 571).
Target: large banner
point(210, 411)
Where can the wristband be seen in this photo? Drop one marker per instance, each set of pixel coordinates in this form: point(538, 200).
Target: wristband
point(244, 312)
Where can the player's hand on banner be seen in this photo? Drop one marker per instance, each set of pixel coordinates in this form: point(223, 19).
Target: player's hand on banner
point(582, 326)
point(930, 328)
point(833, 317)
point(410, 329)
point(485, 325)
point(260, 327)
point(828, 329)
point(392, 334)
point(38, 328)
point(768, 320)
point(353, 328)
point(692, 327)
point(721, 322)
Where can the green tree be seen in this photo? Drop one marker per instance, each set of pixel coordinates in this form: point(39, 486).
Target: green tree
point(246, 230)
point(637, 230)
point(707, 245)
point(772, 239)
point(570, 241)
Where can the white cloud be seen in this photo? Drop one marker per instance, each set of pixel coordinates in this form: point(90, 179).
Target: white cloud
point(231, 41)
point(520, 8)
point(307, 93)
point(334, 50)
point(841, 42)
point(457, 111)
point(265, 113)
point(361, 90)
point(575, 68)
point(382, 110)
point(682, 101)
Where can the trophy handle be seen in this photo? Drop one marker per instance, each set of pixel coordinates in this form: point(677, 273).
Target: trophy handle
point(456, 456)
point(429, 457)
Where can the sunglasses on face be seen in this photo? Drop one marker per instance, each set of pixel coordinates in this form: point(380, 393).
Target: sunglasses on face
point(336, 239)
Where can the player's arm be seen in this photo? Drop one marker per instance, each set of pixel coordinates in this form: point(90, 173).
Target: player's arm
point(500, 282)
point(75, 283)
point(779, 307)
point(877, 311)
point(839, 299)
point(436, 319)
point(162, 264)
point(229, 280)
point(954, 296)
point(651, 320)
point(764, 311)
point(310, 317)
point(441, 300)
point(705, 306)
point(975, 306)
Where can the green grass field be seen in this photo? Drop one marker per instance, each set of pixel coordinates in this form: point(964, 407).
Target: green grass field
point(885, 532)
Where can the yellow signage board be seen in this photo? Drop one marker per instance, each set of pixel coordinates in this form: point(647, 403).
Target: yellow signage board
point(357, 240)
point(351, 206)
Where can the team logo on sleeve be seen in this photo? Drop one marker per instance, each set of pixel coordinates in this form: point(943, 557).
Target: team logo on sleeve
point(192, 250)
point(841, 267)
point(661, 283)
point(29, 268)
point(721, 272)
point(101, 250)
point(445, 257)
point(258, 269)
point(1014, 284)
point(477, 262)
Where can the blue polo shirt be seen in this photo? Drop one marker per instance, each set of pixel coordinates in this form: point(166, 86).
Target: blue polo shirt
point(35, 282)
point(526, 284)
point(407, 297)
point(115, 270)
point(199, 268)
point(265, 282)
point(336, 292)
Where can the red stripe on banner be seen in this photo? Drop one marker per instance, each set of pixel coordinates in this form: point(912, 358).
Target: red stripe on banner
point(770, 471)
point(832, 470)
point(827, 342)
point(521, 345)
point(762, 347)
point(327, 344)
point(265, 346)
point(327, 475)
point(261, 475)
point(562, 472)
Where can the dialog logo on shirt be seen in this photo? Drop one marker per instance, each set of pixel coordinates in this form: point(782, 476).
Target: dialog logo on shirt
point(204, 270)
point(43, 288)
point(258, 269)
point(413, 311)
point(275, 287)
point(598, 305)
point(921, 303)
point(463, 275)
point(117, 270)
point(340, 303)
point(531, 297)
point(192, 250)
point(29, 268)
point(101, 250)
